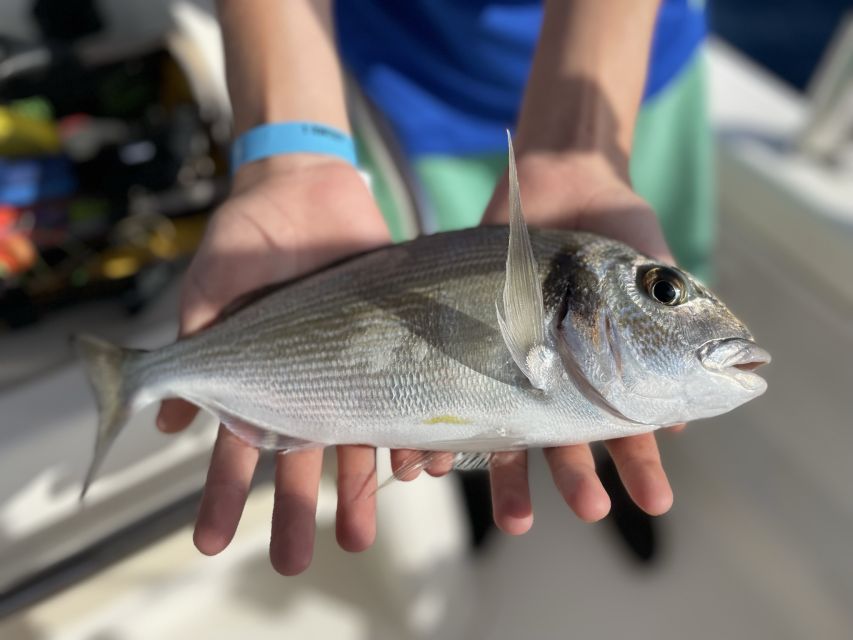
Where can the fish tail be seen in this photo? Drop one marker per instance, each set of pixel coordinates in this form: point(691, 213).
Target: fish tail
point(105, 366)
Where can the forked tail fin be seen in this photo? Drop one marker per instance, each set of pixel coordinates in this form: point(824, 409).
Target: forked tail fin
point(105, 364)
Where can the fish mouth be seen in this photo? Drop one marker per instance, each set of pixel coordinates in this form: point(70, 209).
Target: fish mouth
point(736, 358)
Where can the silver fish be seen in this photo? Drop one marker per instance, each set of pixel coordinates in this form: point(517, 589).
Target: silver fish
point(483, 340)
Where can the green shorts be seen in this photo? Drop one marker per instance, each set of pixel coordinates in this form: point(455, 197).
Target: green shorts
point(671, 167)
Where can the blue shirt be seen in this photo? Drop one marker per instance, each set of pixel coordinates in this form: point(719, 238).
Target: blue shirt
point(449, 74)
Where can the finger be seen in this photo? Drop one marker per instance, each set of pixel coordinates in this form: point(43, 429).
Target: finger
point(228, 480)
point(175, 415)
point(638, 461)
point(573, 471)
point(297, 480)
point(399, 457)
point(678, 428)
point(511, 505)
point(355, 523)
point(441, 464)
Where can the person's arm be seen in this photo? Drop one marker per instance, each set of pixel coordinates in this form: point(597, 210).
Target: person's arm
point(573, 143)
point(576, 126)
point(281, 62)
point(587, 77)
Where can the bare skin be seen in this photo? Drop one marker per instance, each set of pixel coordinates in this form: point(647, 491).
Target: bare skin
point(293, 214)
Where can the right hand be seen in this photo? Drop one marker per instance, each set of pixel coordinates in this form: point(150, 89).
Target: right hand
point(287, 216)
point(589, 192)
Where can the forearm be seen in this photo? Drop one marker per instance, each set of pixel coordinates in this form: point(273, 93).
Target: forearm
point(587, 77)
point(281, 62)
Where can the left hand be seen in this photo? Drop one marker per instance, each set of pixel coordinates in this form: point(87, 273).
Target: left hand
point(587, 192)
point(287, 215)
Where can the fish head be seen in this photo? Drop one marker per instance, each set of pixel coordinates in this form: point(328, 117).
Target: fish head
point(650, 343)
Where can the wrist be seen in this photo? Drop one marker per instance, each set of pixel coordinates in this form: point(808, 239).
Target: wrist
point(581, 127)
point(285, 165)
point(602, 165)
point(288, 138)
point(560, 189)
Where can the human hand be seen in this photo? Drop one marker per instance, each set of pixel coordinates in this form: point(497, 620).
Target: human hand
point(286, 216)
point(584, 191)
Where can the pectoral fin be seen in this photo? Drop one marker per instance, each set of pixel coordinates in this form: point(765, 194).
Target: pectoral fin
point(521, 312)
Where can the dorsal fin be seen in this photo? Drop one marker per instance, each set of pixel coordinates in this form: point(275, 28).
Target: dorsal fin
point(521, 312)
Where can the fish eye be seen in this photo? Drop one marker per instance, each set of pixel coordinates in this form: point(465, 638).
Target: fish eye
point(665, 285)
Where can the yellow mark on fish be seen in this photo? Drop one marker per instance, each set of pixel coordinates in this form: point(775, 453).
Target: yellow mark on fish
point(447, 419)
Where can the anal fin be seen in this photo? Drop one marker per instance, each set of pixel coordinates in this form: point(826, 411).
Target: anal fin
point(462, 461)
point(472, 461)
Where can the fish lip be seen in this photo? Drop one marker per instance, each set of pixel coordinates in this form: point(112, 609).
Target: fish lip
point(735, 358)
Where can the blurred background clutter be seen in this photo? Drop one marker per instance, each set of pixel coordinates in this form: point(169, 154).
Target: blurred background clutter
point(114, 130)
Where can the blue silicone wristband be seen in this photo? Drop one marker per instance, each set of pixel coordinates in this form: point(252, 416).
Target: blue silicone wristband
point(290, 137)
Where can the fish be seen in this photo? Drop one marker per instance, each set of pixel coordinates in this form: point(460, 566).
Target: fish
point(497, 338)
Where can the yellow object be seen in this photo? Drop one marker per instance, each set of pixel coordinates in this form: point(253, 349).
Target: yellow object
point(24, 135)
point(122, 266)
point(189, 232)
point(445, 420)
point(169, 241)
